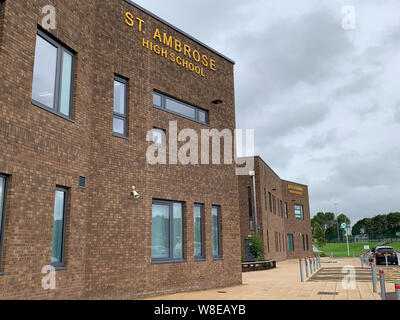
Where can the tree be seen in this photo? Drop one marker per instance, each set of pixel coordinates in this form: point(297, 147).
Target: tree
point(326, 221)
point(393, 220)
point(319, 234)
point(256, 247)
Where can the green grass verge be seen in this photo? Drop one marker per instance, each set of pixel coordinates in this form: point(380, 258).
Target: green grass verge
point(340, 249)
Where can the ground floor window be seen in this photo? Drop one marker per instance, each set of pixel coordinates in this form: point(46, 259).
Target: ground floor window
point(216, 232)
point(60, 212)
point(3, 183)
point(167, 231)
point(289, 241)
point(304, 242)
point(308, 248)
point(198, 231)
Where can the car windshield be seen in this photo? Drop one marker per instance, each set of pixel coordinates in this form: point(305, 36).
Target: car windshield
point(386, 250)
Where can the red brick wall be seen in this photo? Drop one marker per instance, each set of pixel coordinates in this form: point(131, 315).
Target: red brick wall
point(108, 239)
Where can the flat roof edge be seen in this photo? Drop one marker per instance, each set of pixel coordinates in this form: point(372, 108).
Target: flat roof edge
point(179, 30)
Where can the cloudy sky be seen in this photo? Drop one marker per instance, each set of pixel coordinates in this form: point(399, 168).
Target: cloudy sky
point(324, 101)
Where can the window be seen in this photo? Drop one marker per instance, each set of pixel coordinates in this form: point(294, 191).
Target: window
point(304, 242)
point(281, 207)
point(198, 231)
point(274, 203)
point(289, 241)
point(286, 210)
point(250, 208)
point(270, 201)
point(298, 212)
point(120, 107)
point(308, 248)
point(267, 240)
point(167, 231)
point(159, 138)
point(177, 107)
point(60, 213)
point(52, 76)
point(276, 242)
point(216, 232)
point(3, 187)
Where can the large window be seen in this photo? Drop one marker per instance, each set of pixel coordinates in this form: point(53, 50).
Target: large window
point(52, 76)
point(120, 107)
point(3, 186)
point(167, 231)
point(289, 241)
point(198, 231)
point(250, 208)
point(298, 212)
point(172, 105)
point(216, 231)
point(60, 213)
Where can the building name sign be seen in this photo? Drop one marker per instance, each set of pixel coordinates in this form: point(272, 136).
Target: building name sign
point(295, 189)
point(172, 49)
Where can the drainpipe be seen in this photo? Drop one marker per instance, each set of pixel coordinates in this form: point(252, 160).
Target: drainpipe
point(252, 174)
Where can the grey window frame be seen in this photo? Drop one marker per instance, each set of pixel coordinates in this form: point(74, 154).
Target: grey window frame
point(197, 110)
point(202, 256)
point(118, 115)
point(171, 258)
point(61, 264)
point(3, 204)
point(251, 226)
point(59, 64)
point(219, 256)
point(302, 212)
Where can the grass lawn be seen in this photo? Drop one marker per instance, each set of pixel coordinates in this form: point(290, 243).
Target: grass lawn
point(340, 249)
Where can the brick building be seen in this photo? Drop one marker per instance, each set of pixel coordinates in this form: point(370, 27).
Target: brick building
point(283, 214)
point(77, 102)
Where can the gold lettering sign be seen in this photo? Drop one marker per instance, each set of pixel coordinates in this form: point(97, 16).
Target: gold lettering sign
point(295, 189)
point(172, 49)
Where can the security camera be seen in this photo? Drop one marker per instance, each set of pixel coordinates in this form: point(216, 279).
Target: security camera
point(136, 195)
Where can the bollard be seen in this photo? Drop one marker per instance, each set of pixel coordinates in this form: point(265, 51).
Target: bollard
point(373, 266)
point(301, 270)
point(382, 280)
point(311, 266)
point(362, 262)
point(315, 263)
point(306, 266)
point(397, 289)
point(386, 260)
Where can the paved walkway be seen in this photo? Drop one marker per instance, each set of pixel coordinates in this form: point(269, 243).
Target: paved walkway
point(283, 283)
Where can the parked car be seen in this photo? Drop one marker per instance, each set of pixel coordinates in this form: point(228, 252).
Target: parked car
point(380, 253)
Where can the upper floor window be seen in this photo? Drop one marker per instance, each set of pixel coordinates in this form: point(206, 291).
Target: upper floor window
point(3, 186)
point(250, 208)
point(270, 201)
point(298, 212)
point(286, 210)
point(52, 86)
point(180, 108)
point(120, 107)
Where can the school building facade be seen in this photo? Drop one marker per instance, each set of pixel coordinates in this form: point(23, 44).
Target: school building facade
point(82, 98)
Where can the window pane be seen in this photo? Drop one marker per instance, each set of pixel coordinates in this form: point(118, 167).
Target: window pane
point(298, 212)
point(215, 232)
point(119, 97)
point(58, 227)
point(119, 126)
point(44, 72)
point(157, 100)
point(160, 231)
point(65, 100)
point(2, 190)
point(198, 230)
point(180, 108)
point(202, 116)
point(289, 240)
point(177, 237)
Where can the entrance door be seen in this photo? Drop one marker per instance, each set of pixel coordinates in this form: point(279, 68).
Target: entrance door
point(249, 256)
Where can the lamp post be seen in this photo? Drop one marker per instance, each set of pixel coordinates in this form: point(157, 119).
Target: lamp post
point(252, 174)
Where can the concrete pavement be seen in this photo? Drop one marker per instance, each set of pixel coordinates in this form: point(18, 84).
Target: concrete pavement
point(283, 283)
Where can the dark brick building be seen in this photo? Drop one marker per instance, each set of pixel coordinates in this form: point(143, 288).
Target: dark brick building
point(283, 214)
point(77, 102)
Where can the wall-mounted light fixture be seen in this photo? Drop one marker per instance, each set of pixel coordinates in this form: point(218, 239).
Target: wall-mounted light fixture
point(135, 194)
